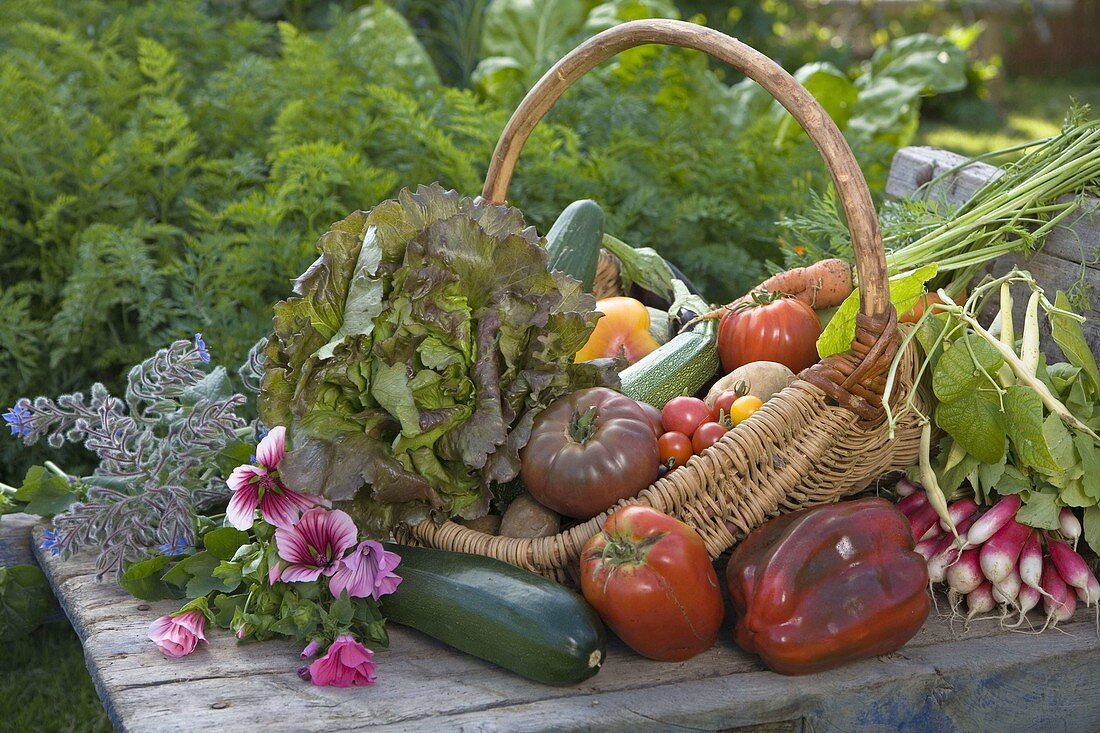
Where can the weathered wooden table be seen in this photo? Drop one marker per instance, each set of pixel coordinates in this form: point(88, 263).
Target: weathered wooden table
point(981, 679)
point(948, 678)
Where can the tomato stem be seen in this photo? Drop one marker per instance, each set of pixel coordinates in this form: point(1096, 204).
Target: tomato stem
point(583, 425)
point(624, 550)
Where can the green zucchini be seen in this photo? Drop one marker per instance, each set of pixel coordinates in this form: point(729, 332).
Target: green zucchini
point(500, 613)
point(680, 367)
point(574, 240)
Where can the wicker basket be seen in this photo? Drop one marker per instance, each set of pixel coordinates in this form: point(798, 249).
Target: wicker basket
point(822, 438)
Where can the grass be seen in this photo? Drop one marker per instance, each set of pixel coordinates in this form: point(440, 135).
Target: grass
point(45, 687)
point(1031, 108)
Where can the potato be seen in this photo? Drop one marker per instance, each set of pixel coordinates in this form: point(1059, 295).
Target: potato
point(764, 379)
point(525, 517)
point(489, 524)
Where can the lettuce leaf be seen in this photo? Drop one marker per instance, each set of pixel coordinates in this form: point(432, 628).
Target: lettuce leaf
point(415, 353)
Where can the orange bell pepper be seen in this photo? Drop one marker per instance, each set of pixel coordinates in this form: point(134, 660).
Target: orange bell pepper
point(622, 330)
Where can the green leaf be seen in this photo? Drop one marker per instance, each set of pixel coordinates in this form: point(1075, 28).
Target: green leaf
point(830, 86)
point(226, 606)
point(223, 542)
point(213, 387)
point(1091, 528)
point(201, 567)
point(25, 599)
point(44, 492)
point(1024, 413)
point(1089, 456)
point(1071, 340)
point(143, 580)
point(926, 63)
point(1012, 481)
point(1072, 493)
point(1059, 442)
point(964, 368)
point(976, 422)
point(229, 573)
point(905, 289)
point(195, 575)
point(1040, 510)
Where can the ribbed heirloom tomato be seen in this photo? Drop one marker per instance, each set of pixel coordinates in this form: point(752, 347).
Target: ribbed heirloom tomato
point(587, 451)
point(769, 327)
point(650, 578)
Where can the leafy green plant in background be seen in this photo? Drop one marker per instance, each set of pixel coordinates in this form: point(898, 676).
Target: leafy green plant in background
point(166, 167)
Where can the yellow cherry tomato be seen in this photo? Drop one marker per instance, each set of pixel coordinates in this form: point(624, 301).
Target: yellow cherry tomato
point(742, 407)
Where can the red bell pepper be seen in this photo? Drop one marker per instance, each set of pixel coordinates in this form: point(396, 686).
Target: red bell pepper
point(822, 587)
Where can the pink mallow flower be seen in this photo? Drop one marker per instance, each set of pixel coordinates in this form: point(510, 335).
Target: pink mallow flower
point(367, 571)
point(177, 635)
point(346, 663)
point(315, 545)
point(259, 486)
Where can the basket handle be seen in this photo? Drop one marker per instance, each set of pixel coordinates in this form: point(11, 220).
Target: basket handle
point(856, 379)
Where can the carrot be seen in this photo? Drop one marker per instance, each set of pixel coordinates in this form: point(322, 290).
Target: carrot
point(823, 284)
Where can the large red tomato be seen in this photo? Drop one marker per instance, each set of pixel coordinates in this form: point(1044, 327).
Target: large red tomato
point(651, 580)
point(769, 327)
point(587, 451)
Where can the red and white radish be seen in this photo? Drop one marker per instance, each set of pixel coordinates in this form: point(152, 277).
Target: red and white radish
point(1071, 566)
point(1028, 599)
point(1090, 594)
point(912, 503)
point(905, 487)
point(958, 511)
point(1070, 526)
point(925, 522)
point(1007, 591)
point(980, 600)
point(947, 553)
point(1058, 601)
point(965, 575)
point(1031, 561)
point(1001, 551)
point(988, 524)
point(930, 547)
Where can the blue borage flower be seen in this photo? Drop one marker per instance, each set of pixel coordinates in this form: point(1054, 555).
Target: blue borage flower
point(18, 419)
point(177, 546)
point(200, 346)
point(50, 542)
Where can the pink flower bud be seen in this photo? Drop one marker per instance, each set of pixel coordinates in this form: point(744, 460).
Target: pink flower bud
point(177, 635)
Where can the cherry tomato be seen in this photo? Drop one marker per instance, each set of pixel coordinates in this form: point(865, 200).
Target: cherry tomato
point(769, 327)
point(721, 411)
point(684, 414)
point(707, 435)
point(743, 407)
point(654, 416)
point(675, 449)
point(650, 578)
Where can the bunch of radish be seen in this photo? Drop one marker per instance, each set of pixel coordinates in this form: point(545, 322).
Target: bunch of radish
point(997, 560)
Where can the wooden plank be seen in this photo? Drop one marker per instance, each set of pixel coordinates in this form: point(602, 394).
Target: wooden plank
point(1070, 256)
point(16, 549)
point(938, 681)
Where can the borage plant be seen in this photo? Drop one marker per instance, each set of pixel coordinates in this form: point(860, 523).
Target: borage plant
point(159, 450)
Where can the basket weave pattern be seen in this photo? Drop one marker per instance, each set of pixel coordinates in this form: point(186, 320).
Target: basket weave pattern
point(822, 438)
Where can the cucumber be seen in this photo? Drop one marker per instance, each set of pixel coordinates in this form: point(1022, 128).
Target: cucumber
point(497, 612)
point(680, 367)
point(574, 240)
